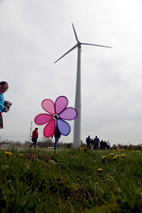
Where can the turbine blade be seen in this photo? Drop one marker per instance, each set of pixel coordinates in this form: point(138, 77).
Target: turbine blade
point(75, 33)
point(96, 45)
point(66, 53)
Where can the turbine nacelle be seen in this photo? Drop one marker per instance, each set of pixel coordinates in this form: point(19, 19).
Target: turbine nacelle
point(79, 44)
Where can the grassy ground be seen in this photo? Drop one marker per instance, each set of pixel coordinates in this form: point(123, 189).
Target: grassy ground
point(73, 180)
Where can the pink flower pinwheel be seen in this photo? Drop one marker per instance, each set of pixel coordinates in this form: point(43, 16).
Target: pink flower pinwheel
point(57, 112)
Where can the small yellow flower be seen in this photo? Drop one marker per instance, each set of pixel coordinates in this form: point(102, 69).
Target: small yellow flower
point(100, 169)
point(123, 155)
point(111, 154)
point(20, 154)
point(104, 157)
point(82, 148)
point(8, 153)
point(115, 157)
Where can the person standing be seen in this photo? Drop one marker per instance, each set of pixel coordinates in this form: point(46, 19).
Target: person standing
point(88, 141)
point(105, 145)
point(92, 143)
point(108, 145)
point(34, 137)
point(96, 143)
point(3, 89)
point(57, 136)
point(101, 144)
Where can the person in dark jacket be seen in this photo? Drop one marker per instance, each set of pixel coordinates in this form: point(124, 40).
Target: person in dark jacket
point(105, 145)
point(34, 137)
point(88, 141)
point(57, 136)
point(96, 143)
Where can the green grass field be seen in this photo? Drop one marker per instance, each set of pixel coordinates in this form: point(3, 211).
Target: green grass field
point(73, 180)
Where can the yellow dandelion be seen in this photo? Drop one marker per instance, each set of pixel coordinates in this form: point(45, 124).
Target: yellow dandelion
point(104, 157)
point(115, 157)
point(8, 153)
point(82, 148)
point(123, 155)
point(111, 154)
point(100, 169)
point(20, 154)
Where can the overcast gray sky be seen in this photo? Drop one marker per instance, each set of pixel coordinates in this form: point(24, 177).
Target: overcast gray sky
point(35, 33)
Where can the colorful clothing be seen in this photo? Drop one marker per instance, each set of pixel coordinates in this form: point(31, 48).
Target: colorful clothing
point(1, 102)
point(35, 134)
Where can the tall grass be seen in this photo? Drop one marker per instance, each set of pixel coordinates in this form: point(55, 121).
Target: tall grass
point(73, 180)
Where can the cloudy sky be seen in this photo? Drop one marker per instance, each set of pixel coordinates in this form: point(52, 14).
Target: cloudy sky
point(35, 33)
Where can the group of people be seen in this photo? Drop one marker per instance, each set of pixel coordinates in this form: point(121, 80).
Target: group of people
point(97, 144)
point(57, 136)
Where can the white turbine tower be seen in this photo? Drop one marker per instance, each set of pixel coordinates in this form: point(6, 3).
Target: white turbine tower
point(77, 121)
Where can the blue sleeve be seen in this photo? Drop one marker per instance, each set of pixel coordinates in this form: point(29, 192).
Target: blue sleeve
point(1, 102)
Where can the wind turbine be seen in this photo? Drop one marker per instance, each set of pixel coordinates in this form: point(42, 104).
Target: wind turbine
point(77, 121)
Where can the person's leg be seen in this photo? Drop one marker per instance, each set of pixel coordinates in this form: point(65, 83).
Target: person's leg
point(56, 143)
point(31, 144)
point(35, 143)
point(88, 145)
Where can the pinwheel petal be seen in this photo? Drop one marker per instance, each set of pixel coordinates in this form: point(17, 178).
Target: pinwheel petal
point(49, 129)
point(68, 114)
point(63, 127)
point(60, 104)
point(42, 118)
point(48, 106)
